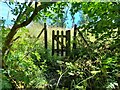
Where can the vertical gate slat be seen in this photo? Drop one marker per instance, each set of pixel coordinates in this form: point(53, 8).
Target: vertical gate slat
point(60, 40)
point(45, 33)
point(62, 43)
point(67, 42)
point(53, 36)
point(74, 37)
point(57, 43)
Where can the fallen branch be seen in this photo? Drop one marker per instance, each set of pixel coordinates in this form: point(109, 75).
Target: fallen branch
point(60, 78)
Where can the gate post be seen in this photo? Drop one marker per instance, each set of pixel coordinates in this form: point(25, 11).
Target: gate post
point(57, 43)
point(74, 37)
point(62, 41)
point(45, 35)
point(67, 42)
point(53, 36)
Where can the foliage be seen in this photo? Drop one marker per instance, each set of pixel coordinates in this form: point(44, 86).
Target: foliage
point(93, 65)
point(21, 67)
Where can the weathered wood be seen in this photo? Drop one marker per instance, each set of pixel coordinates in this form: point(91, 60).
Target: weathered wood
point(45, 35)
point(58, 43)
point(60, 48)
point(62, 42)
point(74, 37)
point(60, 36)
point(55, 50)
point(53, 36)
point(67, 42)
point(40, 33)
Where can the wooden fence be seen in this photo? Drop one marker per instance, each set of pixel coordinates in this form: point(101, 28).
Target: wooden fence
point(61, 41)
point(60, 38)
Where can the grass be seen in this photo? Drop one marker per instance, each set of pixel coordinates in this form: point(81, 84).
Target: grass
point(36, 28)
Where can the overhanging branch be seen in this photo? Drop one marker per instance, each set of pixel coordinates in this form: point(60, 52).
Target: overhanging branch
point(37, 9)
point(15, 27)
point(8, 5)
point(22, 12)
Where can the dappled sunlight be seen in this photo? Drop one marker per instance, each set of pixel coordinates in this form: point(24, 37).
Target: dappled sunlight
point(36, 55)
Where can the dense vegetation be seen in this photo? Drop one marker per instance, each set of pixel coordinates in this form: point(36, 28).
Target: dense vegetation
point(94, 65)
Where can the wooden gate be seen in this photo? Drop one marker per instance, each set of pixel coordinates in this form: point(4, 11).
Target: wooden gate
point(61, 43)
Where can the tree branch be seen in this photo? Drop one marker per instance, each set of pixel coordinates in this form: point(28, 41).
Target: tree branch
point(25, 23)
point(7, 43)
point(22, 13)
point(37, 9)
point(8, 5)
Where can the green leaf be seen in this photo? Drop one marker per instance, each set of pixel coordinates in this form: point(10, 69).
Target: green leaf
point(95, 72)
